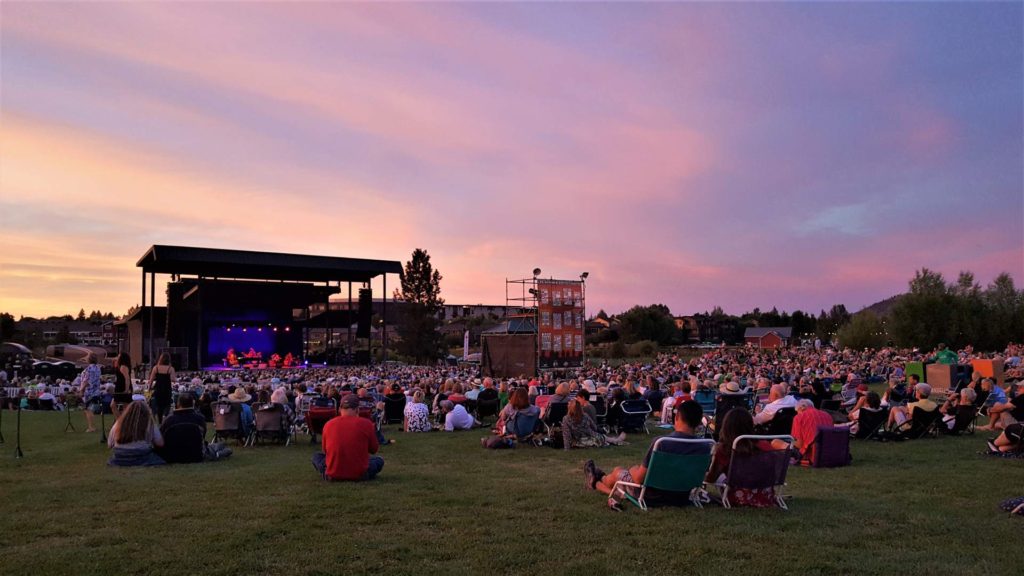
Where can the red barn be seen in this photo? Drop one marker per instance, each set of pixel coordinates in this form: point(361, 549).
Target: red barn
point(768, 337)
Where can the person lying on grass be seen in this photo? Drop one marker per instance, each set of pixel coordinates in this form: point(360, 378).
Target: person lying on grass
point(687, 418)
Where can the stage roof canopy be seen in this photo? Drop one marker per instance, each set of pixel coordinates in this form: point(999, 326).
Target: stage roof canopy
point(217, 263)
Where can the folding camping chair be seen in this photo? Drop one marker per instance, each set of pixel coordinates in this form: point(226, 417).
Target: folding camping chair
point(270, 424)
point(963, 421)
point(759, 470)
point(670, 472)
point(488, 403)
point(831, 448)
point(394, 410)
point(601, 410)
point(318, 416)
point(870, 423)
point(556, 411)
point(921, 423)
point(634, 415)
point(781, 423)
point(706, 399)
point(227, 422)
point(723, 404)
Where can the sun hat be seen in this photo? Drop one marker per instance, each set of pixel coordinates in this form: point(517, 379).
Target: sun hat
point(240, 395)
point(730, 387)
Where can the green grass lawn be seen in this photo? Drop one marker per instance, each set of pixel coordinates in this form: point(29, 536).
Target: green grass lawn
point(443, 505)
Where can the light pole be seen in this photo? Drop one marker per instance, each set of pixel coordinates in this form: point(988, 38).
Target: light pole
point(583, 312)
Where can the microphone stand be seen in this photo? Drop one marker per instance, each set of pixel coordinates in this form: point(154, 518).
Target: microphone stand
point(70, 426)
point(103, 423)
point(17, 450)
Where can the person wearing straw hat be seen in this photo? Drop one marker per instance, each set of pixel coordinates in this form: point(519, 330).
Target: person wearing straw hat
point(240, 396)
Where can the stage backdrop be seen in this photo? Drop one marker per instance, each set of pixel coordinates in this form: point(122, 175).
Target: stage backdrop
point(508, 355)
point(560, 310)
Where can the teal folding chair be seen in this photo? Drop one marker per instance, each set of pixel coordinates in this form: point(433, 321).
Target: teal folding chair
point(670, 472)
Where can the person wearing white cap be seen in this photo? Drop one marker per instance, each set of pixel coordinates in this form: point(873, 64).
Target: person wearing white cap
point(922, 391)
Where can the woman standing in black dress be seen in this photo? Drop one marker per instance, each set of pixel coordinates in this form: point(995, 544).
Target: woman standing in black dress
point(122, 383)
point(160, 378)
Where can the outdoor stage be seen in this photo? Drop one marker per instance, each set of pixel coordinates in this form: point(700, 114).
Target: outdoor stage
point(222, 368)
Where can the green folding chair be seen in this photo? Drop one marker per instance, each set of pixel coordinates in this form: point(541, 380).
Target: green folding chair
point(670, 472)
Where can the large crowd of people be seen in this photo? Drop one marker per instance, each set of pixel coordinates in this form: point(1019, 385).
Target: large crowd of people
point(163, 415)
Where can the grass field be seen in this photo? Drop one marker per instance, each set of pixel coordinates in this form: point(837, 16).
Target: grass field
point(443, 505)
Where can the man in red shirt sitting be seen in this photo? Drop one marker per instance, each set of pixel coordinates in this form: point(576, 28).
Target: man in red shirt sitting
point(348, 443)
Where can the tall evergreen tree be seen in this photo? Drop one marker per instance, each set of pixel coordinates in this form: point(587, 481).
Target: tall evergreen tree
point(421, 293)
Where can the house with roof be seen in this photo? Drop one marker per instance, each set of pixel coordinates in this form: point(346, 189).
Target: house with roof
point(768, 337)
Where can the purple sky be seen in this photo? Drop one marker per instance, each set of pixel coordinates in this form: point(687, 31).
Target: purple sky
point(742, 155)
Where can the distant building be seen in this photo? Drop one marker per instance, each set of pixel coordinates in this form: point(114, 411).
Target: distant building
point(446, 313)
point(768, 337)
point(81, 331)
point(132, 333)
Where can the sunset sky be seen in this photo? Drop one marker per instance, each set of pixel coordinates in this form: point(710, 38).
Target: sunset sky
point(790, 155)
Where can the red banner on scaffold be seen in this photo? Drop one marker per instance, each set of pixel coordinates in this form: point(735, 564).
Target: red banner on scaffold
point(560, 321)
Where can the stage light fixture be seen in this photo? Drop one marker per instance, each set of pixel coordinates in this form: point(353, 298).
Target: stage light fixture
point(229, 329)
point(260, 329)
point(287, 328)
point(275, 328)
point(245, 329)
point(584, 275)
point(536, 272)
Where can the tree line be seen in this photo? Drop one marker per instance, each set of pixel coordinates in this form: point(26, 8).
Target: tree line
point(934, 311)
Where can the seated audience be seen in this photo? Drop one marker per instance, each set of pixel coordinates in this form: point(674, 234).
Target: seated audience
point(350, 446)
point(687, 419)
point(518, 406)
point(579, 430)
point(956, 402)
point(279, 397)
point(738, 422)
point(872, 401)
point(778, 399)
point(1011, 440)
point(134, 436)
point(805, 427)
point(456, 417)
point(241, 397)
point(900, 414)
point(416, 415)
point(1003, 412)
point(897, 393)
point(184, 433)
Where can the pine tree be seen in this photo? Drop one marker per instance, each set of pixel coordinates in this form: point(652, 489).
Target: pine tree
point(421, 293)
